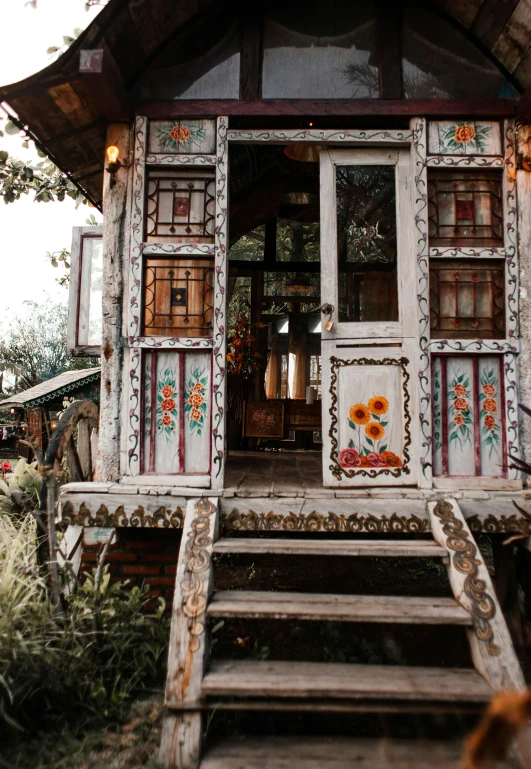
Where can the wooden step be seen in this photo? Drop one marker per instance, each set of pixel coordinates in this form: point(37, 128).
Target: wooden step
point(266, 752)
point(335, 547)
point(248, 678)
point(339, 608)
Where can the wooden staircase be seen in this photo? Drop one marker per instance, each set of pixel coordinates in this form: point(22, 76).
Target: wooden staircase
point(196, 686)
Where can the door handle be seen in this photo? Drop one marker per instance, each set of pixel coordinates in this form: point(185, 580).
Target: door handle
point(327, 310)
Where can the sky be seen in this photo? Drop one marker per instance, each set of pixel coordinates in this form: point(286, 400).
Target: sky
point(27, 229)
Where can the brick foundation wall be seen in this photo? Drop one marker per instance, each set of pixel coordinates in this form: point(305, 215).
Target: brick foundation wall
point(142, 556)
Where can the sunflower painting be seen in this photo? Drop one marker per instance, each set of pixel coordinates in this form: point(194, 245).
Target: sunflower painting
point(369, 447)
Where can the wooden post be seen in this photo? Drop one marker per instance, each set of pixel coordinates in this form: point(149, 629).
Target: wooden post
point(115, 250)
point(188, 649)
point(523, 186)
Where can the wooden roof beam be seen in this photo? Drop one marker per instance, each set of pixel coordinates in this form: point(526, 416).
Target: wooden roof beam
point(102, 78)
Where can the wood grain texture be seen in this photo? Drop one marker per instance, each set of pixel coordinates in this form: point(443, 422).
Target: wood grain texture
point(316, 679)
point(385, 548)
point(331, 753)
point(338, 608)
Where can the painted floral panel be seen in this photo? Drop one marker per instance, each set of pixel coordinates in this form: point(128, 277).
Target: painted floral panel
point(464, 137)
point(182, 137)
point(368, 446)
point(166, 404)
point(196, 406)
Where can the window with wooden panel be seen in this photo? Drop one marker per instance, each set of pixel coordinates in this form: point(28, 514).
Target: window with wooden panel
point(180, 205)
point(178, 296)
point(465, 208)
point(467, 299)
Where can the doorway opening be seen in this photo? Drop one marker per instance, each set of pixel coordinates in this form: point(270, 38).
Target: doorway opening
point(274, 317)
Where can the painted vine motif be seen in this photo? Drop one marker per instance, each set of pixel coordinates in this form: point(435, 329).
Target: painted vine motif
point(490, 426)
point(195, 401)
point(181, 136)
point(437, 404)
point(462, 135)
point(147, 389)
point(166, 410)
point(369, 447)
point(461, 418)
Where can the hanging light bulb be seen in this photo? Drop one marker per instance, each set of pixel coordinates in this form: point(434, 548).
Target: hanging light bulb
point(113, 153)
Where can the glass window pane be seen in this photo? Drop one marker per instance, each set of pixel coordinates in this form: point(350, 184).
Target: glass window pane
point(90, 292)
point(465, 208)
point(439, 61)
point(202, 63)
point(367, 243)
point(327, 52)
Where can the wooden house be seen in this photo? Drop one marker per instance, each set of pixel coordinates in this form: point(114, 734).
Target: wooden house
point(314, 270)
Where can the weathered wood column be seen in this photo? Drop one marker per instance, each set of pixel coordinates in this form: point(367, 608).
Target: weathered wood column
point(523, 186)
point(116, 222)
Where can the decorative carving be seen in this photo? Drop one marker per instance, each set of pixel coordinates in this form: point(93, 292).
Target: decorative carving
point(421, 224)
point(314, 521)
point(463, 160)
point(315, 135)
point(501, 524)
point(465, 561)
point(180, 160)
point(220, 300)
point(473, 345)
point(173, 341)
point(163, 518)
point(338, 469)
point(196, 561)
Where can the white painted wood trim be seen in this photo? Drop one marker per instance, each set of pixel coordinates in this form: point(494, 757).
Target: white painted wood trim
point(168, 159)
point(76, 256)
point(355, 137)
point(511, 231)
point(512, 416)
point(476, 482)
point(219, 365)
point(468, 161)
point(468, 346)
point(468, 253)
point(185, 249)
point(420, 217)
point(178, 480)
point(378, 156)
point(171, 343)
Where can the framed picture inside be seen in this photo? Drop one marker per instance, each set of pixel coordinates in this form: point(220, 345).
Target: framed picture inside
point(263, 420)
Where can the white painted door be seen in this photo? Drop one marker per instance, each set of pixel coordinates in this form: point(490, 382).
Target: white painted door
point(368, 336)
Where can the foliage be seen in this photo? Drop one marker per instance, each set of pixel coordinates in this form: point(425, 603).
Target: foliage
point(83, 670)
point(43, 179)
point(19, 491)
point(34, 347)
point(241, 359)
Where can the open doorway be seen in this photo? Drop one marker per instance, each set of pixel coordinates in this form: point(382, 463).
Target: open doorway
point(274, 318)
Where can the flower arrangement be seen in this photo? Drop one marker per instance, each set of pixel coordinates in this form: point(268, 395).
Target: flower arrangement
point(195, 401)
point(5, 468)
point(367, 449)
point(242, 359)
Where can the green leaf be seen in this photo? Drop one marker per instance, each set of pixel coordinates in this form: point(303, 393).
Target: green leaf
point(11, 128)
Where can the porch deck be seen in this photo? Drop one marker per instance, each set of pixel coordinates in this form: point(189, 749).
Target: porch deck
point(271, 473)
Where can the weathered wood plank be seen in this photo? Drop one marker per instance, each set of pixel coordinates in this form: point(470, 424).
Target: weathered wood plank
point(339, 608)
point(331, 753)
point(490, 643)
point(188, 647)
point(390, 548)
point(465, 11)
point(491, 19)
point(515, 39)
point(318, 679)
point(116, 237)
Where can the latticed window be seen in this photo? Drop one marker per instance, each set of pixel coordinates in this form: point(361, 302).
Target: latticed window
point(465, 208)
point(178, 297)
point(180, 205)
point(467, 299)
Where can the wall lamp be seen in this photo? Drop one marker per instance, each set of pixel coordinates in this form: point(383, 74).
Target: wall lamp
point(114, 164)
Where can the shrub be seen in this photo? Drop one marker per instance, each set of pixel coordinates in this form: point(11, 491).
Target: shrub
point(78, 669)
